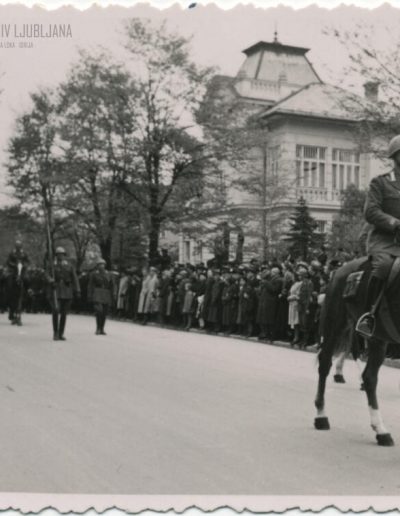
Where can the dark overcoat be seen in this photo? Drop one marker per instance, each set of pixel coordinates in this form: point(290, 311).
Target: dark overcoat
point(207, 297)
point(100, 288)
point(246, 304)
point(229, 299)
point(66, 281)
point(215, 308)
point(268, 300)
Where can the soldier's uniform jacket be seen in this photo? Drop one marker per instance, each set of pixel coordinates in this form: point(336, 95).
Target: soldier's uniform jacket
point(382, 211)
point(100, 288)
point(66, 280)
point(14, 257)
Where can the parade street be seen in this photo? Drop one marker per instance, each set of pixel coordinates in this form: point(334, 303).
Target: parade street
point(146, 410)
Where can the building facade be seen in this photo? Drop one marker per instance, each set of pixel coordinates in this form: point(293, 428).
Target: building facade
point(310, 148)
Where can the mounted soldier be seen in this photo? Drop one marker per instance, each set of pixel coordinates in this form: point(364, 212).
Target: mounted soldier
point(63, 285)
point(17, 263)
point(382, 212)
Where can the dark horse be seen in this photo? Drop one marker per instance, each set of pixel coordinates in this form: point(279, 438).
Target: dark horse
point(344, 304)
point(15, 293)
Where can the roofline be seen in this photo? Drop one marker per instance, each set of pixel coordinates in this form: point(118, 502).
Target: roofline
point(313, 69)
point(314, 117)
point(277, 47)
point(292, 94)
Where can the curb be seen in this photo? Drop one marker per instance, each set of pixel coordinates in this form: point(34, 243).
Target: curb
point(389, 362)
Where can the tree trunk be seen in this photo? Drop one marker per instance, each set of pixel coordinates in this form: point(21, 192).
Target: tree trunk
point(226, 240)
point(154, 236)
point(105, 248)
point(239, 248)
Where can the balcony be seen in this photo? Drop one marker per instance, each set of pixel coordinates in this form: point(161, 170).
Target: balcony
point(319, 195)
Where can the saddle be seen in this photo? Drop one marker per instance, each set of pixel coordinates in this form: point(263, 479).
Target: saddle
point(354, 295)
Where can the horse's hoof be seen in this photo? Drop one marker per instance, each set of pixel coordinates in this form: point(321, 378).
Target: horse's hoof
point(384, 440)
point(339, 378)
point(321, 423)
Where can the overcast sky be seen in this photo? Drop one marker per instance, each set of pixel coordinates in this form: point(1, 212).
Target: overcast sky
point(219, 36)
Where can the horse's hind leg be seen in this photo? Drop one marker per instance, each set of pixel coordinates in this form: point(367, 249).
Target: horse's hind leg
point(338, 376)
point(321, 422)
point(376, 356)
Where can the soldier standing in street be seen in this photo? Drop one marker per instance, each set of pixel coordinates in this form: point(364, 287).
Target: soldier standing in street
point(17, 263)
point(100, 293)
point(63, 286)
point(382, 212)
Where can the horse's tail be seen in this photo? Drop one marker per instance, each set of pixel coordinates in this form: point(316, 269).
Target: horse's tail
point(337, 324)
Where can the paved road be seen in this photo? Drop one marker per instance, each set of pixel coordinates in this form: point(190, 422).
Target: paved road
point(153, 411)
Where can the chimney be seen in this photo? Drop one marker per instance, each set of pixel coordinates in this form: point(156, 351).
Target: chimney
point(371, 90)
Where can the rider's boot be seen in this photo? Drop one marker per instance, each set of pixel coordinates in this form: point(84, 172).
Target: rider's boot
point(55, 327)
point(366, 323)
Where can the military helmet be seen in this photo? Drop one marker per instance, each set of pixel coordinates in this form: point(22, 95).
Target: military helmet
point(394, 146)
point(100, 261)
point(60, 250)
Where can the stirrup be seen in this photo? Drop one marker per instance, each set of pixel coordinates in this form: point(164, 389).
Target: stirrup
point(363, 328)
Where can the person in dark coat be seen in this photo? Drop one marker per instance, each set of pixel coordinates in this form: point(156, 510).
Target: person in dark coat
point(207, 298)
point(229, 298)
point(246, 307)
point(100, 294)
point(270, 288)
point(62, 288)
point(214, 311)
point(17, 284)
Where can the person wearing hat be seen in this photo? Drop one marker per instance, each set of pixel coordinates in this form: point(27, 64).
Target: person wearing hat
point(100, 294)
point(63, 282)
point(382, 211)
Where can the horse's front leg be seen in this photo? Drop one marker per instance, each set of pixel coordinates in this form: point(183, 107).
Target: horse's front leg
point(321, 422)
point(376, 356)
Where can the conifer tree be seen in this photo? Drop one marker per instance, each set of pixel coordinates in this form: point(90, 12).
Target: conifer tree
point(302, 234)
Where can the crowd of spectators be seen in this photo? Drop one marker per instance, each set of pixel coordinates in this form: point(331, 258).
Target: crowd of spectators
point(273, 300)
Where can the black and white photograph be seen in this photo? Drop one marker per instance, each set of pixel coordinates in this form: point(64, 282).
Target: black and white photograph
point(199, 257)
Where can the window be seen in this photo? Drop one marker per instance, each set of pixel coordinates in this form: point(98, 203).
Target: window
point(341, 177)
point(321, 226)
point(349, 169)
point(334, 177)
point(357, 176)
point(186, 251)
point(322, 175)
point(310, 166)
point(273, 154)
